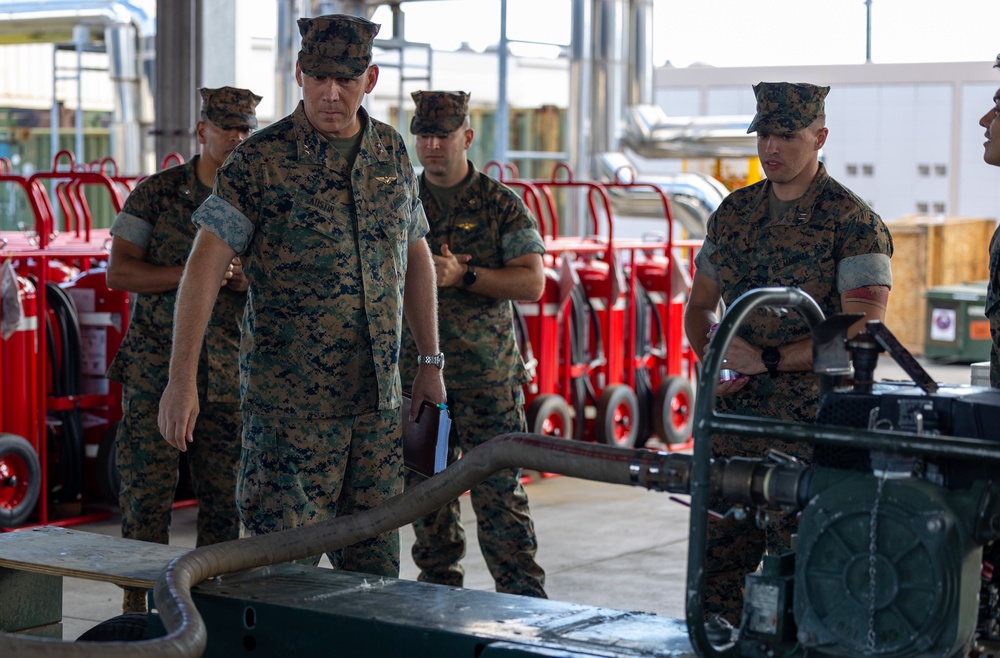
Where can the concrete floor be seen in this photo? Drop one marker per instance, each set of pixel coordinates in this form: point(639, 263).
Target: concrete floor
point(603, 545)
point(599, 544)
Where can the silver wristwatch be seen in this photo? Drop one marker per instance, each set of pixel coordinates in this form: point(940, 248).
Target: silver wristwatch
point(436, 360)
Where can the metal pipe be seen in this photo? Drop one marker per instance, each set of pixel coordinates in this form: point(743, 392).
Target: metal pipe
point(501, 137)
point(187, 633)
point(81, 37)
point(706, 423)
point(581, 64)
point(607, 76)
point(287, 48)
point(868, 32)
point(121, 43)
point(54, 121)
point(640, 59)
point(955, 447)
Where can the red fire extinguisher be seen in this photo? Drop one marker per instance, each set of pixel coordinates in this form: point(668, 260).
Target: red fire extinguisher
point(20, 376)
point(104, 315)
point(20, 470)
point(103, 319)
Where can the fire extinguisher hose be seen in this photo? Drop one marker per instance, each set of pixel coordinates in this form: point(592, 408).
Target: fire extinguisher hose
point(65, 371)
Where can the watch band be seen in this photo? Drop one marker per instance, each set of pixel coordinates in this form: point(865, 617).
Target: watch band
point(437, 360)
point(469, 278)
point(771, 357)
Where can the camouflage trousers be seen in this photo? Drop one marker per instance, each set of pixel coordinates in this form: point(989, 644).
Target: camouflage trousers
point(296, 471)
point(734, 549)
point(148, 466)
point(149, 470)
point(504, 528)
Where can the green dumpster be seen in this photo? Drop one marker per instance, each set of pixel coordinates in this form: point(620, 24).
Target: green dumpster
point(957, 328)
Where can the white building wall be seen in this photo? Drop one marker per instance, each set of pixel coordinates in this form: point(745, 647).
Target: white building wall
point(220, 54)
point(978, 190)
point(26, 78)
point(238, 44)
point(905, 137)
point(530, 82)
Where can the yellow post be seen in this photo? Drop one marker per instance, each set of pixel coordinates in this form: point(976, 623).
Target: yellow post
point(753, 170)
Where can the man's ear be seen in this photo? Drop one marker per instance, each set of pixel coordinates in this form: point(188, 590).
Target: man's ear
point(371, 77)
point(298, 73)
point(821, 137)
point(199, 130)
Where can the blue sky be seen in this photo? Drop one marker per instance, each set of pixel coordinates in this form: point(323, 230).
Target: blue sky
point(741, 32)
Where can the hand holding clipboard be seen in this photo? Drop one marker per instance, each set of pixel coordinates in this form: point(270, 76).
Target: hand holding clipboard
point(425, 440)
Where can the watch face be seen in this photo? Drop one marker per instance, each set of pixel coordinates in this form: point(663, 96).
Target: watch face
point(469, 277)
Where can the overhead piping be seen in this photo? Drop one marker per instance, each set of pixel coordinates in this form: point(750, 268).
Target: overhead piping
point(117, 25)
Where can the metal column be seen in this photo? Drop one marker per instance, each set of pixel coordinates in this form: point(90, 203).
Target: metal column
point(178, 39)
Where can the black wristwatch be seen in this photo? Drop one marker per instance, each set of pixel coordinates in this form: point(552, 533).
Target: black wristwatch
point(469, 277)
point(770, 357)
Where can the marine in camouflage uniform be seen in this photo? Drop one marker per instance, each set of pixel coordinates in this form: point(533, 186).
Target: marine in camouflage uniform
point(827, 242)
point(155, 227)
point(329, 226)
point(479, 228)
point(991, 155)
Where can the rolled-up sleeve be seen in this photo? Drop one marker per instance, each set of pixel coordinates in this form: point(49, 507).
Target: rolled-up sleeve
point(703, 261)
point(863, 253)
point(418, 226)
point(864, 270)
point(226, 222)
point(132, 229)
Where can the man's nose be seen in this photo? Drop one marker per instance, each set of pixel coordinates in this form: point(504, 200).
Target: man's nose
point(331, 91)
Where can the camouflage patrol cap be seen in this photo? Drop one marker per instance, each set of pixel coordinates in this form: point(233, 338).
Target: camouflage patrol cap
point(439, 113)
point(229, 107)
point(786, 107)
point(336, 45)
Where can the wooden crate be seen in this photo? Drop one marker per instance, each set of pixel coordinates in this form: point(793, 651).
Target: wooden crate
point(928, 251)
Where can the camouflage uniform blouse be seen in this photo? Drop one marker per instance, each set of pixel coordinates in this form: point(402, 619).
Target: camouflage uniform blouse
point(828, 242)
point(993, 307)
point(488, 221)
point(157, 217)
point(324, 250)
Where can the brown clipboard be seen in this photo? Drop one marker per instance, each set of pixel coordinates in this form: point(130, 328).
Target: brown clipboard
point(425, 439)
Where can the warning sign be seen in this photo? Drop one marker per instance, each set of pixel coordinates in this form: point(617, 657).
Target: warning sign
point(943, 324)
point(979, 330)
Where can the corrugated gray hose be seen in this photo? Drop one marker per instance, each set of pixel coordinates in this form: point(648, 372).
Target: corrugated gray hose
point(187, 635)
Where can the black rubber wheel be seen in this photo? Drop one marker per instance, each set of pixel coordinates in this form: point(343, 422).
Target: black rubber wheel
point(644, 396)
point(617, 417)
point(550, 415)
point(20, 480)
point(129, 627)
point(673, 411)
point(109, 480)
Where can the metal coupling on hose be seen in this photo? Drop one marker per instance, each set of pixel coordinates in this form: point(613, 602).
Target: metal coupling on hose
point(661, 471)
